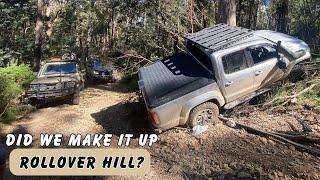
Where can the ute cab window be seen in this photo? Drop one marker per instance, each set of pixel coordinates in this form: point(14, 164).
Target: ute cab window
point(262, 53)
point(60, 68)
point(201, 56)
point(234, 62)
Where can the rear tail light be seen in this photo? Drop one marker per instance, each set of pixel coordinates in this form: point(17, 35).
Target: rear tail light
point(154, 117)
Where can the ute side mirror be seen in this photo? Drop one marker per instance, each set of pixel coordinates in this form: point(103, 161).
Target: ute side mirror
point(283, 63)
point(278, 47)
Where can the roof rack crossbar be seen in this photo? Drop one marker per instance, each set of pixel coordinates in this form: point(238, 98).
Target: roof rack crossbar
point(209, 33)
point(219, 36)
point(224, 37)
point(206, 29)
point(228, 43)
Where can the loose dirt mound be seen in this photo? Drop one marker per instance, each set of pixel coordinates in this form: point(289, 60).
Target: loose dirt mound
point(221, 153)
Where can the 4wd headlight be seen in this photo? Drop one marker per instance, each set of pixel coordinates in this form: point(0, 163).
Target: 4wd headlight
point(70, 84)
point(95, 72)
point(33, 87)
point(59, 86)
point(43, 87)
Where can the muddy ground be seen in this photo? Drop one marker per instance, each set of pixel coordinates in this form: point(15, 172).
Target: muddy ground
point(220, 153)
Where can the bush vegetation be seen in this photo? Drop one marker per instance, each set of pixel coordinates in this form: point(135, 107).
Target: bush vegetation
point(12, 82)
point(311, 97)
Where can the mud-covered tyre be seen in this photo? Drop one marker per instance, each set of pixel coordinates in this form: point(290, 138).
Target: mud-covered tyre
point(202, 114)
point(75, 100)
point(33, 102)
point(82, 86)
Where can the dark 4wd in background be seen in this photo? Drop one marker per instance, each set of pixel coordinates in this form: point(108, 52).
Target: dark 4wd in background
point(56, 80)
point(97, 71)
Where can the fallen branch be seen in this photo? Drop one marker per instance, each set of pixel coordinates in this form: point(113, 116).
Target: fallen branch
point(135, 56)
point(5, 109)
point(310, 150)
point(292, 96)
point(300, 138)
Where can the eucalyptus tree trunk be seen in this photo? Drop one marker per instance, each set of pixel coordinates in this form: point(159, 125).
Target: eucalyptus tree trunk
point(38, 35)
point(191, 15)
point(227, 11)
point(282, 20)
point(221, 13)
point(232, 13)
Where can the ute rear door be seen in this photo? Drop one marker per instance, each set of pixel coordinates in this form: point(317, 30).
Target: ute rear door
point(238, 75)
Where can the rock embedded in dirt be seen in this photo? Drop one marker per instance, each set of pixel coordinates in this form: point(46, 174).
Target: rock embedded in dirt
point(231, 123)
point(208, 171)
point(292, 148)
point(271, 142)
point(292, 164)
point(233, 165)
point(264, 140)
point(225, 166)
point(280, 174)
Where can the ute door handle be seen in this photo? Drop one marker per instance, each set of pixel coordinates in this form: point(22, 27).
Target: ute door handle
point(229, 83)
point(257, 73)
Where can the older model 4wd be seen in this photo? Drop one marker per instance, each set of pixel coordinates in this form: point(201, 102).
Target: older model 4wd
point(56, 80)
point(224, 66)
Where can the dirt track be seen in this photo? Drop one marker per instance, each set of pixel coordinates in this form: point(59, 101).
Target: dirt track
point(221, 153)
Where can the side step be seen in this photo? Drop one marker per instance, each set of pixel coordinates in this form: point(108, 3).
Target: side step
point(244, 99)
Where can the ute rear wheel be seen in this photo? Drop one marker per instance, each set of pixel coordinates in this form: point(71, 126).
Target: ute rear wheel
point(203, 114)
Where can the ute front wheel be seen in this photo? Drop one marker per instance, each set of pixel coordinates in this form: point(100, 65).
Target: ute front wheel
point(75, 100)
point(203, 114)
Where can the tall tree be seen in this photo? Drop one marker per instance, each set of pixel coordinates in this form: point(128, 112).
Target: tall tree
point(38, 35)
point(232, 13)
point(221, 12)
point(282, 20)
point(227, 12)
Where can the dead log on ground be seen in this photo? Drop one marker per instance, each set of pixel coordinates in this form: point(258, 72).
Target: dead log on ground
point(300, 138)
point(308, 149)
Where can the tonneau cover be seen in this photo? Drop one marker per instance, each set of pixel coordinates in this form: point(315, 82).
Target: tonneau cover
point(171, 78)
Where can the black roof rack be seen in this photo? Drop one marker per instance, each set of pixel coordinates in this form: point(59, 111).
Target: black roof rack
point(219, 36)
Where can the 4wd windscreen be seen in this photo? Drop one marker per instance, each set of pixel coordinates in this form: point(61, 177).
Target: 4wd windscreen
point(98, 66)
point(56, 69)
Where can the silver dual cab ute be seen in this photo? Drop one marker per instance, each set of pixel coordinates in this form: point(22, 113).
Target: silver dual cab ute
point(223, 67)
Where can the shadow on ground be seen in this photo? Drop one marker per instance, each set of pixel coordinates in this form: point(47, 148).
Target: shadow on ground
point(113, 87)
point(124, 117)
